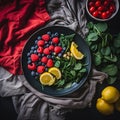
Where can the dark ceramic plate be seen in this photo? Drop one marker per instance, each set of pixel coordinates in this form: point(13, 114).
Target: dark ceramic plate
point(82, 46)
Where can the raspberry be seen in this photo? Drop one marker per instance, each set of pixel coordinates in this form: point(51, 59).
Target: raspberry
point(46, 51)
point(34, 57)
point(40, 69)
point(57, 49)
point(55, 40)
point(51, 48)
point(46, 37)
point(50, 63)
point(44, 59)
point(40, 50)
point(40, 43)
point(32, 66)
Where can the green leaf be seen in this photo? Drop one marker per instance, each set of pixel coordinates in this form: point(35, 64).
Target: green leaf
point(97, 58)
point(73, 73)
point(57, 64)
point(83, 70)
point(78, 66)
point(112, 79)
point(106, 50)
point(111, 58)
point(102, 27)
point(117, 41)
point(110, 69)
point(92, 37)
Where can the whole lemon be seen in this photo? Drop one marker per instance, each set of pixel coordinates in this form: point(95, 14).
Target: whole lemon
point(110, 94)
point(104, 107)
point(117, 105)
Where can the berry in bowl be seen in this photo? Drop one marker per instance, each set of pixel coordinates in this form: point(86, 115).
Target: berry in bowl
point(102, 10)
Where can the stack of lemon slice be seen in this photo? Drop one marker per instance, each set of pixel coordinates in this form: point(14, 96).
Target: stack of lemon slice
point(49, 78)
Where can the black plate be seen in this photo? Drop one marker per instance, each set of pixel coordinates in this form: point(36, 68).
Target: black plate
point(82, 46)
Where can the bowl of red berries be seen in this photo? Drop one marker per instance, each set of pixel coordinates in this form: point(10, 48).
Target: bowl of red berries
point(102, 10)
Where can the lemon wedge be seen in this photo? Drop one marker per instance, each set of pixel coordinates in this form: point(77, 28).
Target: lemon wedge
point(55, 71)
point(75, 52)
point(47, 79)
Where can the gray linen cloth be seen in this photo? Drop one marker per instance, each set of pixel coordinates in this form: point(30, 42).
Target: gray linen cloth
point(33, 105)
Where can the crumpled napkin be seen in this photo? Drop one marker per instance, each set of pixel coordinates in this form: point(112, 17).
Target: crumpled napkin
point(33, 105)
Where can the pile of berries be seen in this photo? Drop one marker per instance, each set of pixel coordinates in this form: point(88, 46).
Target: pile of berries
point(42, 54)
point(102, 9)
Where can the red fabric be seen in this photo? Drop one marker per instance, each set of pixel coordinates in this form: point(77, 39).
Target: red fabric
point(18, 20)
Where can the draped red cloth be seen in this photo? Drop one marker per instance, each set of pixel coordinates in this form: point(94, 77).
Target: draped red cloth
point(18, 20)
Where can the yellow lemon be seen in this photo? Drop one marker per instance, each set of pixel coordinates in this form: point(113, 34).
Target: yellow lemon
point(103, 107)
point(117, 105)
point(55, 71)
point(47, 79)
point(75, 52)
point(110, 94)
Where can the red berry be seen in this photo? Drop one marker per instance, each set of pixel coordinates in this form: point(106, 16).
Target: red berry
point(50, 63)
point(55, 40)
point(91, 4)
point(44, 59)
point(40, 69)
point(92, 9)
point(106, 3)
point(95, 14)
point(101, 8)
point(57, 49)
point(97, 3)
point(32, 66)
point(112, 8)
point(46, 51)
point(46, 37)
point(34, 57)
point(104, 15)
point(40, 49)
point(51, 48)
point(40, 43)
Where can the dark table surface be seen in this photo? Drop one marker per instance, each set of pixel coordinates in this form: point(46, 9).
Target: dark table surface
point(7, 111)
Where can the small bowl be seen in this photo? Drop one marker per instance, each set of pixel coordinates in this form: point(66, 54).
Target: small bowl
point(99, 17)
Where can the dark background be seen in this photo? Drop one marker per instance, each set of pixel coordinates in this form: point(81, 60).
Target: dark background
point(7, 111)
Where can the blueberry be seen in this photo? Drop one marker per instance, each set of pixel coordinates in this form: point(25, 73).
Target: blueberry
point(64, 48)
point(49, 56)
point(39, 37)
point(43, 64)
point(36, 73)
point(28, 54)
point(53, 35)
point(39, 63)
point(56, 34)
point(29, 61)
point(35, 51)
point(36, 46)
point(46, 69)
point(36, 41)
point(31, 51)
point(60, 54)
point(49, 33)
point(29, 58)
point(39, 54)
point(33, 73)
point(32, 48)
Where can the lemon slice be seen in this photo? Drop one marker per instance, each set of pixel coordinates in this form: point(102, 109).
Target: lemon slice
point(55, 71)
point(47, 79)
point(75, 52)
